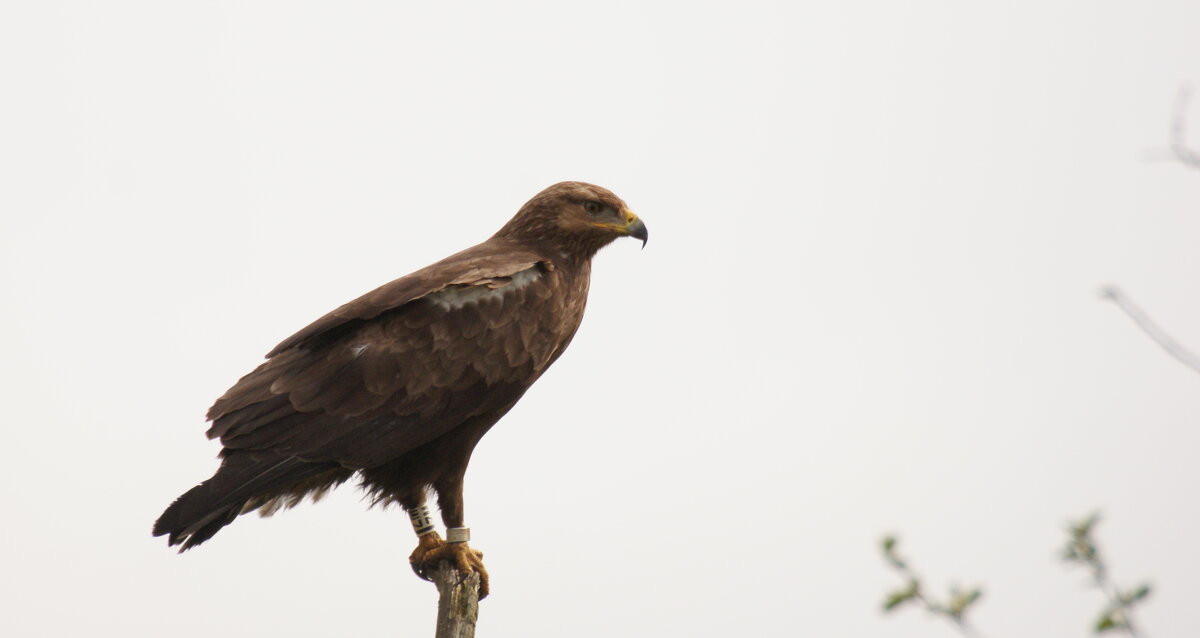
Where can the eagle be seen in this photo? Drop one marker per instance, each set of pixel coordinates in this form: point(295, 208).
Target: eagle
point(398, 386)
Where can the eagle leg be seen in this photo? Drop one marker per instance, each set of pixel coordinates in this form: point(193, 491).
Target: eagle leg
point(432, 550)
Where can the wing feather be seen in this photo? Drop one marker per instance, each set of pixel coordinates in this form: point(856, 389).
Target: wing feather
point(395, 368)
point(496, 257)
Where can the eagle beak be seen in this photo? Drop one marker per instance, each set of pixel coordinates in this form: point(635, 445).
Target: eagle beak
point(635, 228)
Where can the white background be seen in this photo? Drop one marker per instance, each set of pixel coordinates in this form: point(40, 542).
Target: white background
point(869, 305)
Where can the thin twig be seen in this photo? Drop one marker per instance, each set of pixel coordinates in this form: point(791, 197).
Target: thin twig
point(1118, 603)
point(1082, 548)
point(960, 623)
point(1178, 135)
point(954, 610)
point(1173, 348)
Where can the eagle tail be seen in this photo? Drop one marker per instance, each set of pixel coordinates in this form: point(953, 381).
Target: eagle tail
point(244, 482)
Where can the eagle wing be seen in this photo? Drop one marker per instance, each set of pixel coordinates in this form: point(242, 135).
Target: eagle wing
point(401, 365)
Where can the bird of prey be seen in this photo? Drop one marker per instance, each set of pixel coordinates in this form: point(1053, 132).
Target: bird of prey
point(399, 385)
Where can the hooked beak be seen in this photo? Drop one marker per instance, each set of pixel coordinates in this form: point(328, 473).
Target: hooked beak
point(635, 228)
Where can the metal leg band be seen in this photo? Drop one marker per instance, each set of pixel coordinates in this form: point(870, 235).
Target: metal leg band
point(458, 534)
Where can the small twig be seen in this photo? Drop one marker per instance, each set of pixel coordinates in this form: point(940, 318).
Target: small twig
point(1118, 603)
point(1178, 134)
point(458, 602)
point(1082, 548)
point(954, 610)
point(1173, 348)
point(960, 623)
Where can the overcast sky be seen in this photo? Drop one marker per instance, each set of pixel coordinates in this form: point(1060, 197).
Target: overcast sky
point(869, 305)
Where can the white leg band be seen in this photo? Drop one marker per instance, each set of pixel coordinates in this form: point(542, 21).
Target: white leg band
point(458, 534)
point(422, 522)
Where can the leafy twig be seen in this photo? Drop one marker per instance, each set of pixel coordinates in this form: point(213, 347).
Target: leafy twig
point(954, 609)
point(1118, 614)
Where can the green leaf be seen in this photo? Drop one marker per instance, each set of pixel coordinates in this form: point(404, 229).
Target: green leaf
point(889, 544)
point(1132, 597)
point(960, 601)
point(1112, 619)
point(1084, 527)
point(894, 600)
point(1080, 549)
point(900, 596)
point(889, 553)
point(1106, 623)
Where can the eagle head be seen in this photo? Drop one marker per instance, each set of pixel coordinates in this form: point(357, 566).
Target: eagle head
point(577, 216)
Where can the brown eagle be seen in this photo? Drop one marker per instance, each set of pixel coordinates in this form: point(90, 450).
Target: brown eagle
point(399, 385)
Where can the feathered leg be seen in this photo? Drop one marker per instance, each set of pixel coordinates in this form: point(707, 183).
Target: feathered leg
point(431, 549)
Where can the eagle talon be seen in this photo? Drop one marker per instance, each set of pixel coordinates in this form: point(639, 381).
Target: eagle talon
point(426, 543)
point(432, 550)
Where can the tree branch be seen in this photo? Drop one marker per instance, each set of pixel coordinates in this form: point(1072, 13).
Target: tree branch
point(1173, 348)
point(1178, 136)
point(458, 602)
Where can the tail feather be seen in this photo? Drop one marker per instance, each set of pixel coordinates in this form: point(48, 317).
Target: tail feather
point(242, 480)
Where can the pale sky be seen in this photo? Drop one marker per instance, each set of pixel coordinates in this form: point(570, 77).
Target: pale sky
point(869, 305)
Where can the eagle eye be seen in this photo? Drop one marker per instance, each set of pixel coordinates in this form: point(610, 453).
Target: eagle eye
point(594, 208)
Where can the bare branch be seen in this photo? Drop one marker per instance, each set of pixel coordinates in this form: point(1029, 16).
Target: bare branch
point(1173, 348)
point(1178, 136)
